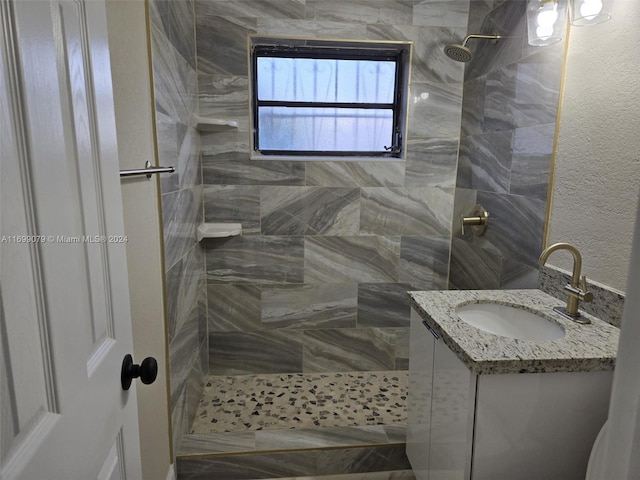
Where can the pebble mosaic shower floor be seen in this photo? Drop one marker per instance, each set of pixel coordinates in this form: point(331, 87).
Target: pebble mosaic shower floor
point(301, 400)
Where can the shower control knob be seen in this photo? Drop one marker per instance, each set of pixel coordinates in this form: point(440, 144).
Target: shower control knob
point(147, 371)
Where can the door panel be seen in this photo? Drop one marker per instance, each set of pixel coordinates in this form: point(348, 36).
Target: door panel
point(65, 322)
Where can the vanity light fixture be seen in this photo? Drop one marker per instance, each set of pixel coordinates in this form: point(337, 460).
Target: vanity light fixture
point(545, 21)
point(589, 12)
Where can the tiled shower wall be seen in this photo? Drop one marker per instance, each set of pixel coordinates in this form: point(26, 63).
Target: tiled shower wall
point(175, 89)
point(317, 281)
point(509, 112)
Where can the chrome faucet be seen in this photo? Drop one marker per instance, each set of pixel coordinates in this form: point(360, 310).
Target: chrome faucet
point(577, 289)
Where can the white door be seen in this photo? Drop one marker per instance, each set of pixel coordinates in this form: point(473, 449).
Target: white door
point(64, 306)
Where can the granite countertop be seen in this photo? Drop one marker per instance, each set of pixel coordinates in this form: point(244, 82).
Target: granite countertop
point(583, 348)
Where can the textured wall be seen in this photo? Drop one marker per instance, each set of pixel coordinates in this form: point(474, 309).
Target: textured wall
point(316, 283)
point(175, 88)
point(597, 175)
point(509, 112)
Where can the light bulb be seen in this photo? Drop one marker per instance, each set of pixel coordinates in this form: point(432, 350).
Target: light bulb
point(590, 8)
point(547, 15)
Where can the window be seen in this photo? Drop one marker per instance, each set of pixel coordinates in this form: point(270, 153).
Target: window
point(328, 99)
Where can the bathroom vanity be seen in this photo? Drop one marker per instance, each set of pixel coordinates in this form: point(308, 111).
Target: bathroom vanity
point(484, 406)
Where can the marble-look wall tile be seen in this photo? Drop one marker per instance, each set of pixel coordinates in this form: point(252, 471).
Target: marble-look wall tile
point(401, 356)
point(222, 43)
point(356, 174)
point(472, 267)
point(406, 211)
point(226, 162)
point(429, 64)
point(485, 162)
point(516, 275)
point(234, 204)
point(309, 210)
point(180, 28)
point(351, 259)
point(179, 418)
point(517, 225)
point(238, 353)
point(167, 132)
point(252, 8)
point(383, 305)
point(255, 260)
point(311, 462)
point(441, 13)
point(348, 349)
point(531, 163)
point(180, 216)
point(434, 110)
point(473, 106)
point(234, 307)
point(183, 353)
point(188, 164)
point(393, 12)
point(309, 306)
point(431, 162)
point(310, 28)
point(224, 96)
point(425, 260)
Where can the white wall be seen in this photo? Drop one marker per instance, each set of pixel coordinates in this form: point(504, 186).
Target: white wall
point(597, 173)
point(132, 94)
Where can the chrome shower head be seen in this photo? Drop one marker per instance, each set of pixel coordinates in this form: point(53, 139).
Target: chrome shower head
point(462, 53)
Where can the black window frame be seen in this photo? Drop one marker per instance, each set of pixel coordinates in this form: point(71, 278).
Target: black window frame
point(338, 50)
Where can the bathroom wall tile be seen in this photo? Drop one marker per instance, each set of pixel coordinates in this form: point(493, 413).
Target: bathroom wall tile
point(394, 12)
point(309, 306)
point(178, 211)
point(351, 259)
point(252, 8)
point(226, 162)
point(441, 13)
point(179, 422)
point(172, 278)
point(222, 43)
point(194, 388)
point(183, 353)
point(239, 353)
point(507, 19)
point(309, 210)
point(234, 204)
point(434, 110)
point(485, 162)
point(516, 274)
point(473, 106)
point(310, 28)
point(431, 162)
point(406, 211)
point(234, 307)
point(181, 29)
point(425, 260)
point(383, 305)
point(188, 164)
point(356, 174)
point(184, 286)
point(348, 349)
point(429, 64)
point(531, 163)
point(175, 81)
point(320, 437)
point(517, 225)
point(472, 267)
point(225, 97)
point(255, 259)
point(167, 132)
point(318, 462)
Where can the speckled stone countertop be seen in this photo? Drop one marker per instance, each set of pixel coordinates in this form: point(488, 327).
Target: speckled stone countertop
point(583, 347)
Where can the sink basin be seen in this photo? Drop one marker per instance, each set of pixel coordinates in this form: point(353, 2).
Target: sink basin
point(508, 321)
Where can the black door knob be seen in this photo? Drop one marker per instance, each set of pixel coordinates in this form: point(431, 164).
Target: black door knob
point(147, 371)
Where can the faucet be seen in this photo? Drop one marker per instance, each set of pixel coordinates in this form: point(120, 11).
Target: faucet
point(577, 289)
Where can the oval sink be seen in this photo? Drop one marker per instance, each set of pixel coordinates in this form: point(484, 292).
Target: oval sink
point(510, 322)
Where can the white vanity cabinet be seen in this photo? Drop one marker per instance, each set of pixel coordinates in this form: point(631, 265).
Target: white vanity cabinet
point(515, 426)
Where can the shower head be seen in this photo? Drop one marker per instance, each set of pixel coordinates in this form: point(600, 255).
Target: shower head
point(462, 53)
point(459, 53)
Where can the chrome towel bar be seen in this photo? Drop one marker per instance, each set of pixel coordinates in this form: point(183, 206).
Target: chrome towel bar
point(147, 170)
